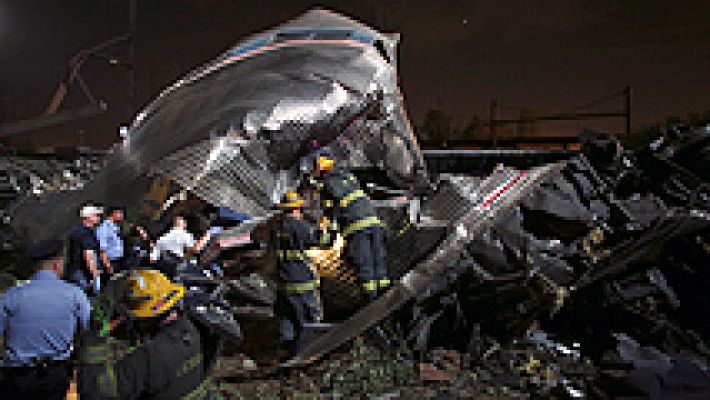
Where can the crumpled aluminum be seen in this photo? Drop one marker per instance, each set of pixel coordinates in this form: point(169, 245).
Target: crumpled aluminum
point(236, 130)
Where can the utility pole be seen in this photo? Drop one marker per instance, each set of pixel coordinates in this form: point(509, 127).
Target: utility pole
point(627, 109)
point(492, 122)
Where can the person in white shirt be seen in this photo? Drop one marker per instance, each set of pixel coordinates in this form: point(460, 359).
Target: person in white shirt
point(178, 241)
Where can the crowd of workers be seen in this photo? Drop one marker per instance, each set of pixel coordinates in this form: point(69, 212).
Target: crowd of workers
point(59, 318)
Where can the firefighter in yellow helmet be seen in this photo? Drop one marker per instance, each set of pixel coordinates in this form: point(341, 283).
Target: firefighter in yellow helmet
point(355, 215)
point(298, 301)
point(174, 360)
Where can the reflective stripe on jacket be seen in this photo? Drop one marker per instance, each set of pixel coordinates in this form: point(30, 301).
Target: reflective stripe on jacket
point(174, 364)
point(352, 207)
point(291, 238)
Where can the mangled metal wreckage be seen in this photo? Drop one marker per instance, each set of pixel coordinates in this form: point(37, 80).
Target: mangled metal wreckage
point(237, 133)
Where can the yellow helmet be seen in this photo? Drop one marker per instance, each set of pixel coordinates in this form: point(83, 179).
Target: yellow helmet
point(325, 163)
point(150, 293)
point(291, 199)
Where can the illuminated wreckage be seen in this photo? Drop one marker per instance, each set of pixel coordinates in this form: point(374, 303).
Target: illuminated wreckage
point(241, 130)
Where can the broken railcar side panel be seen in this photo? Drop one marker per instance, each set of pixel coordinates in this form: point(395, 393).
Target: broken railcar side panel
point(221, 173)
point(274, 98)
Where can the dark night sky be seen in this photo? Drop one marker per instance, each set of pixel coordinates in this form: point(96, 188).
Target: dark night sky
point(549, 55)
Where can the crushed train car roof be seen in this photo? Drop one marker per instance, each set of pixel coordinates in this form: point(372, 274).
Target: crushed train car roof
point(235, 131)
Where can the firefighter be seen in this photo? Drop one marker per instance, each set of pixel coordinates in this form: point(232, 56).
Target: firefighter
point(176, 355)
point(298, 301)
point(362, 230)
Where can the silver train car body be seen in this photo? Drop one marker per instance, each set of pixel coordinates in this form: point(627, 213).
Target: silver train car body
point(237, 131)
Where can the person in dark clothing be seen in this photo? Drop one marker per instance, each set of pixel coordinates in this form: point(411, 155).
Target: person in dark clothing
point(84, 264)
point(139, 245)
point(38, 322)
point(174, 360)
point(298, 301)
point(355, 215)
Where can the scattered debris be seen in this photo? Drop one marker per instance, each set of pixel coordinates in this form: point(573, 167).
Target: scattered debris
point(428, 372)
point(508, 284)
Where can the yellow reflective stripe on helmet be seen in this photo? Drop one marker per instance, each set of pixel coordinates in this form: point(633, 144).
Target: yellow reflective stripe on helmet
point(354, 195)
point(370, 286)
point(200, 392)
point(152, 293)
point(361, 224)
point(300, 287)
point(292, 255)
point(383, 283)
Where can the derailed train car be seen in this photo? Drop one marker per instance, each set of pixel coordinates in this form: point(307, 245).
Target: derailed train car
point(233, 131)
point(237, 133)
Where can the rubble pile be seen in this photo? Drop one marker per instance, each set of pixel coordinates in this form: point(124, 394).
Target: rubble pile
point(615, 244)
point(591, 287)
point(578, 278)
point(23, 176)
point(32, 175)
point(599, 256)
point(533, 366)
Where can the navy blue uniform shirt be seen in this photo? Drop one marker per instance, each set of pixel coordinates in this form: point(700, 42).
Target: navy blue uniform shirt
point(38, 319)
point(341, 185)
point(290, 235)
point(82, 238)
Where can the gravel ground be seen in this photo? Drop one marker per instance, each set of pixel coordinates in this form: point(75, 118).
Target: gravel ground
point(518, 371)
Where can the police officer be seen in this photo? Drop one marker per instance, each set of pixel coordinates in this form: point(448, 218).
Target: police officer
point(174, 360)
point(359, 224)
point(38, 320)
point(298, 301)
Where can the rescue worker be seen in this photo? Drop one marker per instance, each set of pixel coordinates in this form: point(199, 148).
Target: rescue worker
point(174, 360)
point(362, 230)
point(298, 300)
point(38, 321)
